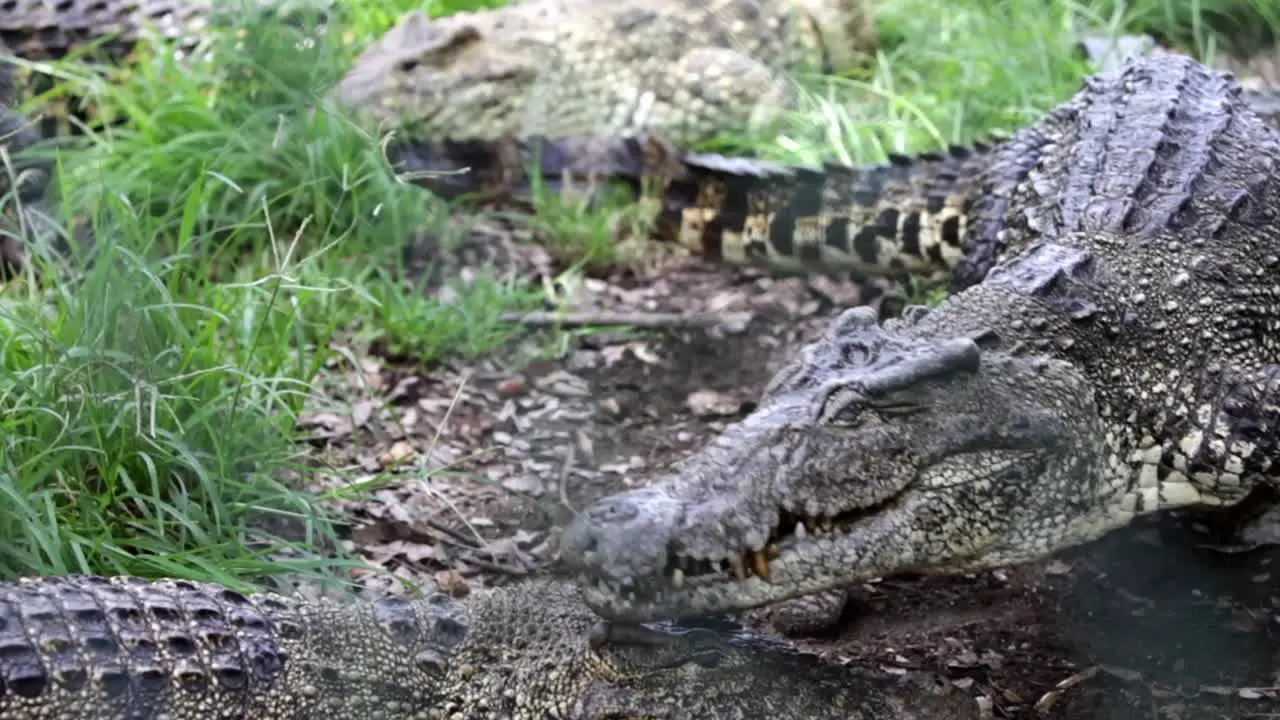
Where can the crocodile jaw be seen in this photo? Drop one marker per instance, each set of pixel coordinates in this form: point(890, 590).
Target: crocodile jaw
point(925, 529)
point(803, 567)
point(903, 536)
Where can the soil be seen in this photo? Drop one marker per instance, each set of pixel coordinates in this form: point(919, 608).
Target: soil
point(489, 462)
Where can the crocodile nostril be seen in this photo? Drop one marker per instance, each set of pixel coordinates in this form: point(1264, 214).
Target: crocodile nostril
point(613, 511)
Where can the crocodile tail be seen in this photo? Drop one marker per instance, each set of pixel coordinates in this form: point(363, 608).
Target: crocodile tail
point(508, 168)
point(43, 30)
point(904, 217)
point(908, 216)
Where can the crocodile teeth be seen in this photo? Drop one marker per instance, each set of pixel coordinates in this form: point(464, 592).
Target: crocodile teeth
point(754, 557)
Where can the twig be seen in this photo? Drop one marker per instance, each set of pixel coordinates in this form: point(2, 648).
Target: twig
point(457, 395)
point(497, 567)
point(635, 319)
point(455, 538)
point(565, 469)
point(468, 551)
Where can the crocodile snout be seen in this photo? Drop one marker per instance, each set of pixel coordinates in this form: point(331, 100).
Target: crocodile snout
point(622, 538)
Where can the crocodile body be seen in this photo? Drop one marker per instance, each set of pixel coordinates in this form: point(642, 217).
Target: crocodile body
point(685, 71)
point(558, 67)
point(1113, 351)
point(93, 648)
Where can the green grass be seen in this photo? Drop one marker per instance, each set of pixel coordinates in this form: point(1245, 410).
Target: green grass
point(962, 71)
point(150, 391)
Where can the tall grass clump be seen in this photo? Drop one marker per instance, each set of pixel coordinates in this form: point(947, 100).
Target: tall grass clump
point(142, 432)
point(150, 382)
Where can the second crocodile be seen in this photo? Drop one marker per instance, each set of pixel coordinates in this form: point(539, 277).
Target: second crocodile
point(94, 648)
point(1114, 352)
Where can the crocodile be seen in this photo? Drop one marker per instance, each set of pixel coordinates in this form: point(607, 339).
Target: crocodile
point(1109, 351)
point(80, 647)
point(685, 71)
point(558, 67)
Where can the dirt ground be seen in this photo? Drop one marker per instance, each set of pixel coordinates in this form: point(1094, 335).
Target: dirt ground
point(1147, 623)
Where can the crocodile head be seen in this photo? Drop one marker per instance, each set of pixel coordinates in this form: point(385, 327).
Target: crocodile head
point(445, 73)
point(733, 672)
point(534, 650)
point(877, 451)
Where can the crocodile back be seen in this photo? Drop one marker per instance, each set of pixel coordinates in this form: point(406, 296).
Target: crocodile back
point(99, 648)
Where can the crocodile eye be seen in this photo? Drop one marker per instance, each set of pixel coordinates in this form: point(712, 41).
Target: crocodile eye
point(897, 408)
point(709, 660)
point(842, 407)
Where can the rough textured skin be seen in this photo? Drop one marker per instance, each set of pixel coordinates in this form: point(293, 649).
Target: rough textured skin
point(1114, 352)
point(896, 225)
point(92, 648)
point(910, 216)
point(685, 71)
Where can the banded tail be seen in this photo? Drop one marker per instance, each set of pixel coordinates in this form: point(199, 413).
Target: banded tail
point(907, 216)
point(904, 217)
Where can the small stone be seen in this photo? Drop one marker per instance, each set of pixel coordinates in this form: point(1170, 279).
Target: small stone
point(511, 387)
point(709, 403)
point(398, 453)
